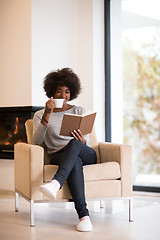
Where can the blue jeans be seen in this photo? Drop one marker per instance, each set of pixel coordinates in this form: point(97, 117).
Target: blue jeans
point(71, 160)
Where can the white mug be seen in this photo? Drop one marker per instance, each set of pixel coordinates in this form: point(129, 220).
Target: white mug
point(58, 102)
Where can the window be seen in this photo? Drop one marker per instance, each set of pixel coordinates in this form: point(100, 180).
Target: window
point(137, 27)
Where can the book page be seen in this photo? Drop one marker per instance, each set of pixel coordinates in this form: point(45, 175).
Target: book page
point(70, 122)
point(87, 123)
point(73, 122)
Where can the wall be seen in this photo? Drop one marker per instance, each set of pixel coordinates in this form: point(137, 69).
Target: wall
point(116, 73)
point(68, 38)
point(15, 57)
point(40, 36)
point(98, 68)
point(15, 67)
point(53, 41)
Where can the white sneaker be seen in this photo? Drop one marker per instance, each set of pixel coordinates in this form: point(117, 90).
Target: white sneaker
point(84, 226)
point(49, 190)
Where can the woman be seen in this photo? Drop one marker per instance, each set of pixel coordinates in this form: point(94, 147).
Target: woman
point(69, 153)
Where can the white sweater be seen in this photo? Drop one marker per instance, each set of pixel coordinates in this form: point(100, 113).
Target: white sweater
point(50, 134)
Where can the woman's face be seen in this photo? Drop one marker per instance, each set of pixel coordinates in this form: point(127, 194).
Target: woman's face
point(62, 92)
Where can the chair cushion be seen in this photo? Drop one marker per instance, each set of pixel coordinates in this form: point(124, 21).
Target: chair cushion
point(102, 171)
point(94, 172)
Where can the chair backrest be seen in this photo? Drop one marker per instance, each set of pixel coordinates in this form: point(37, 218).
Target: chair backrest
point(29, 130)
point(29, 133)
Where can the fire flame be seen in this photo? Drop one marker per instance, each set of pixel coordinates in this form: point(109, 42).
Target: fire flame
point(10, 135)
point(16, 126)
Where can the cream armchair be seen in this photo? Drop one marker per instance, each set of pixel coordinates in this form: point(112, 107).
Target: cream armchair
point(111, 177)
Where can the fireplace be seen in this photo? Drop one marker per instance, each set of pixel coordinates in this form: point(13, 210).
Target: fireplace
point(12, 128)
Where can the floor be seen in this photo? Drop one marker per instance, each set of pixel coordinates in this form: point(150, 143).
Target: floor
point(58, 220)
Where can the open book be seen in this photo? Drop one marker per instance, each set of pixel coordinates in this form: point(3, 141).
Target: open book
point(72, 122)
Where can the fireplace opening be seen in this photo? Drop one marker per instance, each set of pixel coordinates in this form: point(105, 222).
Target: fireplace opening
point(12, 128)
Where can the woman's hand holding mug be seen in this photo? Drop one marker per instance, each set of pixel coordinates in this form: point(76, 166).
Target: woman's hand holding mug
point(48, 110)
point(49, 106)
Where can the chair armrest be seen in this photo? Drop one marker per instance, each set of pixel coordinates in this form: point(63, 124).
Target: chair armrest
point(28, 169)
point(121, 153)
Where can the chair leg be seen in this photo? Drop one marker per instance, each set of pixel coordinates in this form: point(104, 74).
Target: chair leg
point(32, 213)
point(16, 202)
point(130, 209)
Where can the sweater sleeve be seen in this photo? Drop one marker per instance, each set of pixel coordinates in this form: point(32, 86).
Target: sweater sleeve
point(39, 130)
